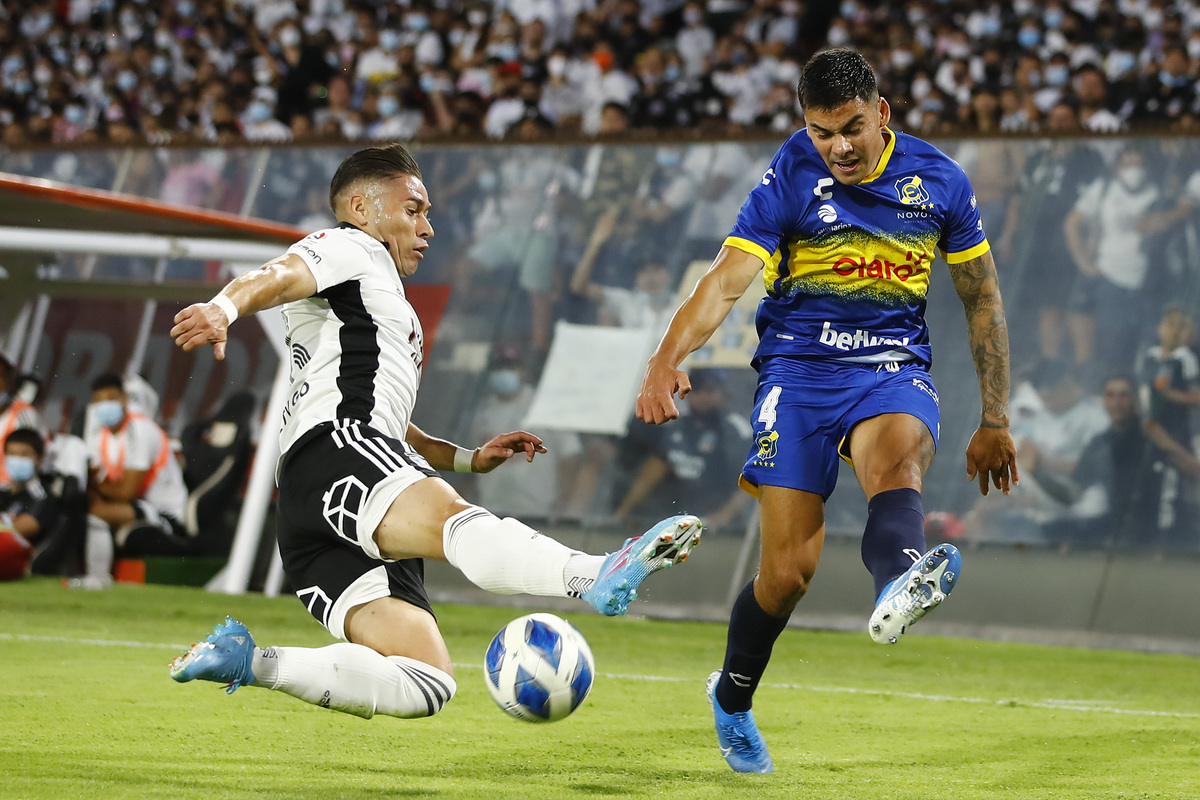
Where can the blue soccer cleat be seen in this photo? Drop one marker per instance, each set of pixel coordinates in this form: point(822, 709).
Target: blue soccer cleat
point(225, 657)
point(737, 735)
point(663, 546)
point(915, 593)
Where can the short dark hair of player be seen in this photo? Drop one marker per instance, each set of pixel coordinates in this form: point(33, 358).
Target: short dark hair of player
point(109, 380)
point(374, 163)
point(27, 436)
point(833, 78)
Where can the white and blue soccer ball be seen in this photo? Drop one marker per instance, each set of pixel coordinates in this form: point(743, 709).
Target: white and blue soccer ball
point(539, 668)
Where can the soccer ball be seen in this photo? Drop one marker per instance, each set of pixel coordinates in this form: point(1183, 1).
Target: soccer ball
point(539, 668)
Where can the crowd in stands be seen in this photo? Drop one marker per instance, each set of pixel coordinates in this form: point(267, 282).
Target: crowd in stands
point(230, 71)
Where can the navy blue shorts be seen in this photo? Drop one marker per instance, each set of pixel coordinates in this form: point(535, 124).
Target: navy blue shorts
point(805, 409)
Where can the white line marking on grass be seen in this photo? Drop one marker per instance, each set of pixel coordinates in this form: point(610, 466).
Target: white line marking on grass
point(25, 637)
point(1085, 706)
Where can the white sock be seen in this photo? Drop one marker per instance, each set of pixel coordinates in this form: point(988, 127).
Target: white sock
point(355, 680)
point(581, 572)
point(506, 556)
point(98, 548)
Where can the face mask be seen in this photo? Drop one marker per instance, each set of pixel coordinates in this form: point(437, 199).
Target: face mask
point(185, 8)
point(1131, 177)
point(127, 81)
point(22, 86)
point(259, 111)
point(1029, 37)
point(507, 51)
point(289, 37)
point(108, 413)
point(42, 75)
point(1053, 17)
point(477, 18)
point(388, 106)
point(426, 82)
point(20, 468)
point(838, 35)
point(1168, 79)
point(456, 36)
point(672, 73)
point(556, 66)
point(1121, 62)
point(505, 382)
point(959, 50)
point(74, 115)
point(13, 64)
point(848, 9)
point(389, 41)
point(990, 26)
point(159, 66)
point(693, 16)
point(1057, 74)
point(416, 22)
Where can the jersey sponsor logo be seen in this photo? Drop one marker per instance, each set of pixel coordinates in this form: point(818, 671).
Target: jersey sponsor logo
point(315, 255)
point(911, 191)
point(827, 213)
point(290, 408)
point(341, 505)
point(820, 189)
point(300, 355)
point(768, 176)
point(844, 340)
point(318, 235)
point(847, 266)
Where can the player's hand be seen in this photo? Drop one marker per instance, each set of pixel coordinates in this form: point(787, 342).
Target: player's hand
point(503, 447)
point(992, 454)
point(656, 400)
point(200, 324)
point(1162, 382)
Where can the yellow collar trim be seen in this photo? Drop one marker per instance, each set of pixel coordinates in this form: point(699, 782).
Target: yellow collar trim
point(883, 159)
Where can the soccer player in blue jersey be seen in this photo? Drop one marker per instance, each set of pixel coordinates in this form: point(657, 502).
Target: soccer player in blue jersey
point(844, 227)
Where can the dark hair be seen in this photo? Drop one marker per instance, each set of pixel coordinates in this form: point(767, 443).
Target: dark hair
point(27, 436)
point(109, 380)
point(7, 371)
point(833, 78)
point(378, 163)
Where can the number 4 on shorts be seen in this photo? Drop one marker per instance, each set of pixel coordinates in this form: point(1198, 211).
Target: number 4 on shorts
point(767, 413)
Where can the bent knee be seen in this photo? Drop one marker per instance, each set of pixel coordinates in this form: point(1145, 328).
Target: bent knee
point(778, 591)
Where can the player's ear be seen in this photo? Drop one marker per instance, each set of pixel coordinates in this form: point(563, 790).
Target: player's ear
point(885, 112)
point(355, 205)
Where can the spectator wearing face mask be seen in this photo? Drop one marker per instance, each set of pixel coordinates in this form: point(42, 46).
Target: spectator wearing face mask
point(380, 62)
point(259, 123)
point(1105, 235)
point(1170, 93)
point(135, 488)
point(15, 412)
point(393, 120)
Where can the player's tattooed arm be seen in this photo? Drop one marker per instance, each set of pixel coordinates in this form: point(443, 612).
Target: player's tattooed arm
point(979, 289)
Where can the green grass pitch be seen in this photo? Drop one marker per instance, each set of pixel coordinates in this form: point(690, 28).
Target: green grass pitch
point(87, 710)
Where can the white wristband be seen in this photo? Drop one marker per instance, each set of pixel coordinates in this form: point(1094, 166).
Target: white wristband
point(225, 304)
point(463, 459)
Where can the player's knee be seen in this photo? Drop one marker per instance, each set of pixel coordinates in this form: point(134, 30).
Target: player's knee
point(778, 590)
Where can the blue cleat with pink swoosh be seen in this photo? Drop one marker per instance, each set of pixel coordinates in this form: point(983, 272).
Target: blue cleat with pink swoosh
point(663, 546)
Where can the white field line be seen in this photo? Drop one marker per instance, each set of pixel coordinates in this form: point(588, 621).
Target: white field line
point(1084, 706)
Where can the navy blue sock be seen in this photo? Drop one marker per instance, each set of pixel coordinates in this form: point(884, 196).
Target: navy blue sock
point(895, 535)
point(752, 634)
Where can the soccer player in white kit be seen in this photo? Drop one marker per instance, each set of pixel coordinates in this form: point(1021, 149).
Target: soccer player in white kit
point(360, 500)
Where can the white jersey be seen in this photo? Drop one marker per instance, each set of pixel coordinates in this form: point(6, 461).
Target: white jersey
point(356, 344)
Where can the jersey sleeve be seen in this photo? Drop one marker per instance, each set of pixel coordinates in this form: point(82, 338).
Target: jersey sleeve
point(764, 220)
point(332, 256)
point(962, 233)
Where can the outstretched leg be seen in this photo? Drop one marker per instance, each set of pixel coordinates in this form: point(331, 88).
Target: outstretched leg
point(395, 664)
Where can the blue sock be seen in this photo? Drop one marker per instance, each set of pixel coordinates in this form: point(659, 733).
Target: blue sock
point(895, 535)
point(752, 634)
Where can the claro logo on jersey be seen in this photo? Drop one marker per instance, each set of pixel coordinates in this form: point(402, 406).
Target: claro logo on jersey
point(882, 268)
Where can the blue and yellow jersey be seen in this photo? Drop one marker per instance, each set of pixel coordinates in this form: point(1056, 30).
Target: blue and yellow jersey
point(847, 267)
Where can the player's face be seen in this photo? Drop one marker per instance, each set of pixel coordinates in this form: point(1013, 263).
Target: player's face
point(399, 216)
point(849, 137)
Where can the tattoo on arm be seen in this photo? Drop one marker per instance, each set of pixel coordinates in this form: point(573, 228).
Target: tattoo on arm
point(979, 289)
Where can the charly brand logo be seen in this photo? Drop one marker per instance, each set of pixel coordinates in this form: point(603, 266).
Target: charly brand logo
point(822, 185)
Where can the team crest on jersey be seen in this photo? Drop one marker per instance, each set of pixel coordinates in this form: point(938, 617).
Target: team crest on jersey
point(911, 191)
point(768, 445)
